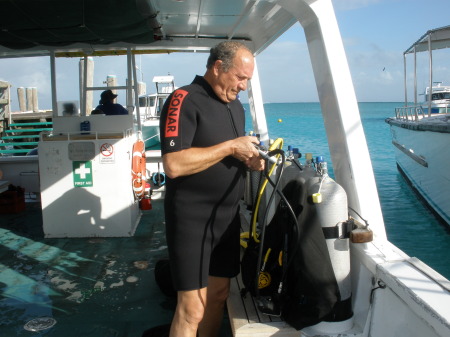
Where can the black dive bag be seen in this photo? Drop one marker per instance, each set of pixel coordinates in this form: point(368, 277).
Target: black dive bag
point(292, 275)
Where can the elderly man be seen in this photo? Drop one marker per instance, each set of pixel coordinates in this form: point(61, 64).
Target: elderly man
point(205, 156)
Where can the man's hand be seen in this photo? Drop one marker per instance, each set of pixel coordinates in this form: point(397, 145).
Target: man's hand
point(255, 163)
point(243, 148)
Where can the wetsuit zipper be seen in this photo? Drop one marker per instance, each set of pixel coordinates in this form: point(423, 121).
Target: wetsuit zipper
point(240, 190)
point(232, 121)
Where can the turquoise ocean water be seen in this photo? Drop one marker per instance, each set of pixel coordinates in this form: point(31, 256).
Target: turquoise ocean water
point(409, 224)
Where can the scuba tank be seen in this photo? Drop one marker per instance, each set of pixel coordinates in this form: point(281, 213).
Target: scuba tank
point(319, 286)
point(331, 215)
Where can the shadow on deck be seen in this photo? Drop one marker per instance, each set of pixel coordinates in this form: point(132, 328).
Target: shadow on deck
point(90, 286)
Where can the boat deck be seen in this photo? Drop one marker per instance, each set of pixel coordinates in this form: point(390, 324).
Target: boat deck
point(247, 321)
point(100, 287)
point(245, 318)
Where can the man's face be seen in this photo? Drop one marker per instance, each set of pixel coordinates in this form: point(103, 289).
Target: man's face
point(228, 84)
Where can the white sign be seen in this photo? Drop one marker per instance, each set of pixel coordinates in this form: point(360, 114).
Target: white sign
point(107, 155)
point(81, 151)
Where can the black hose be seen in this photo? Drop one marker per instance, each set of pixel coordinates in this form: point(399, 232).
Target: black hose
point(295, 227)
point(263, 225)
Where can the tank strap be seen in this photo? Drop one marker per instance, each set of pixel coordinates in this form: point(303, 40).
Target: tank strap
point(340, 231)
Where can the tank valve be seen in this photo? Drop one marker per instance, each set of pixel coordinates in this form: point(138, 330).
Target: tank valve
point(263, 153)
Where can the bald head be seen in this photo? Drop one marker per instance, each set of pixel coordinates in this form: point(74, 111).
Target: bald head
point(225, 51)
point(230, 65)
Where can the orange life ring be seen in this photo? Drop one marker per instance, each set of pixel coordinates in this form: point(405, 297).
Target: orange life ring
point(138, 171)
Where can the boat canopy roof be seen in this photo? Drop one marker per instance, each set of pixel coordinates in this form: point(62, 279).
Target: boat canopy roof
point(163, 79)
point(102, 27)
point(81, 28)
point(440, 39)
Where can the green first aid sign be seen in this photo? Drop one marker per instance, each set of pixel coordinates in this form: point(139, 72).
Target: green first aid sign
point(82, 174)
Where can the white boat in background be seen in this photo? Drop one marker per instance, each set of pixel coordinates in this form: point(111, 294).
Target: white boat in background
point(421, 134)
point(440, 98)
point(87, 187)
point(150, 107)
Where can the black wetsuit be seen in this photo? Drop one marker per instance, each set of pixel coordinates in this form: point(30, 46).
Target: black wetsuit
point(202, 209)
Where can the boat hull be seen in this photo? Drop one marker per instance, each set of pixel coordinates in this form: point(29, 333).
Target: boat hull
point(437, 109)
point(423, 158)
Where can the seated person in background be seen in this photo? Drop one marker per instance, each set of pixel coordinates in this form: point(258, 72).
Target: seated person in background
point(97, 112)
point(108, 106)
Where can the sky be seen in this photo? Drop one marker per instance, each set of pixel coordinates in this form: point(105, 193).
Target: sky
point(375, 34)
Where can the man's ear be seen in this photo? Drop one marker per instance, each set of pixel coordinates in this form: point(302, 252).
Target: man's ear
point(217, 67)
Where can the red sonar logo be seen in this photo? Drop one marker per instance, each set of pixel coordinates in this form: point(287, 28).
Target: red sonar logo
point(173, 114)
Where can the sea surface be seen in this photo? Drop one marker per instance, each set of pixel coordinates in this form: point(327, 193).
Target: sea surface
point(409, 224)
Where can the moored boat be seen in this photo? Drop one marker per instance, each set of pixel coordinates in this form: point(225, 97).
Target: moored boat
point(421, 134)
point(440, 98)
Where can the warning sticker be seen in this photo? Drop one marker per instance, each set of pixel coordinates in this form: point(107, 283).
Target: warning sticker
point(107, 155)
point(82, 174)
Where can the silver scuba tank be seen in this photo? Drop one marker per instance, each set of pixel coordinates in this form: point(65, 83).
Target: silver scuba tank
point(330, 203)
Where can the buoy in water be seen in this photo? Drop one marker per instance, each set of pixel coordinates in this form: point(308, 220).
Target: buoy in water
point(280, 120)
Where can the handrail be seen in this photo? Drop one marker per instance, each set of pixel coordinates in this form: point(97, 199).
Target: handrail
point(409, 113)
point(157, 135)
point(90, 135)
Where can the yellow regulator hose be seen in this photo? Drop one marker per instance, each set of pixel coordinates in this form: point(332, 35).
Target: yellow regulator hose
point(277, 144)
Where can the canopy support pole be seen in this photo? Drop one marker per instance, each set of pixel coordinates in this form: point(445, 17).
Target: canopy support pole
point(53, 83)
point(430, 62)
point(255, 101)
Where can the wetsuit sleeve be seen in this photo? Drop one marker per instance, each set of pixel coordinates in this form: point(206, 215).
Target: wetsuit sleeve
point(178, 122)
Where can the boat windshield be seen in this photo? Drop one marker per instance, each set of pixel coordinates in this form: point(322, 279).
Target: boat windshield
point(160, 105)
point(440, 95)
point(142, 102)
point(145, 101)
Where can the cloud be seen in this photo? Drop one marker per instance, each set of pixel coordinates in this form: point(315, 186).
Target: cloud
point(291, 82)
point(27, 72)
point(386, 76)
point(377, 74)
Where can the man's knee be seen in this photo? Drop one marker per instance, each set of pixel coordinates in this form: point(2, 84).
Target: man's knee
point(192, 307)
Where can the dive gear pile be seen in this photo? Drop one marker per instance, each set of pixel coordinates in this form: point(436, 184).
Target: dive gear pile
point(297, 264)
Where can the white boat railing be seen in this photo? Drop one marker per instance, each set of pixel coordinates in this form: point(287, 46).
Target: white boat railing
point(410, 113)
point(95, 135)
point(154, 136)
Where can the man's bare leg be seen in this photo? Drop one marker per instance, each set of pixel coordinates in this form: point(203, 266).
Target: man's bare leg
point(188, 313)
point(217, 294)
